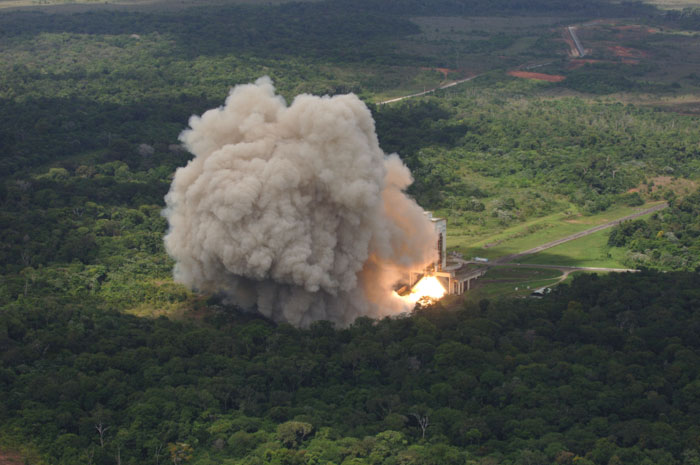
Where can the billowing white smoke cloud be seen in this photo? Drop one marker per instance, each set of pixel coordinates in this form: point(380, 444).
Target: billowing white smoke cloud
point(294, 210)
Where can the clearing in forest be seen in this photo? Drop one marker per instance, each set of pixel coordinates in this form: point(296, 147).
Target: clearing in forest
point(627, 52)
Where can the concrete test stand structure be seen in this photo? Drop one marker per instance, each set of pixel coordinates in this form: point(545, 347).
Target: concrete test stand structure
point(457, 277)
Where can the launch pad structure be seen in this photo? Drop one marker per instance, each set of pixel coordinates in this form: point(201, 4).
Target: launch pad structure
point(457, 284)
point(457, 277)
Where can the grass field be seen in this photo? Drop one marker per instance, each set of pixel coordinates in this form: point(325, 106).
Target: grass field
point(512, 281)
point(532, 233)
point(590, 251)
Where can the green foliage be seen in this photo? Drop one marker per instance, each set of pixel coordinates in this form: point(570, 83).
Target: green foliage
point(589, 151)
point(180, 452)
point(292, 433)
point(600, 79)
point(600, 369)
point(669, 240)
point(687, 18)
point(601, 372)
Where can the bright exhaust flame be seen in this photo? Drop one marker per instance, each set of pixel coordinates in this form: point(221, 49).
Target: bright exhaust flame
point(428, 288)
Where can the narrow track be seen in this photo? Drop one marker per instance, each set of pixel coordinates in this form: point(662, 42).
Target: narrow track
point(444, 86)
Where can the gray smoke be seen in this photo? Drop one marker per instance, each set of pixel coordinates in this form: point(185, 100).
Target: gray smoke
point(294, 211)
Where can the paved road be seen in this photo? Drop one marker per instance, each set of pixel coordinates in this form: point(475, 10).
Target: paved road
point(513, 257)
point(444, 86)
point(569, 269)
point(572, 33)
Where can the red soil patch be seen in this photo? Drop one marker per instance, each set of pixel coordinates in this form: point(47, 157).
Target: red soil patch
point(627, 52)
point(577, 63)
point(538, 76)
point(637, 28)
point(10, 458)
point(444, 71)
point(573, 51)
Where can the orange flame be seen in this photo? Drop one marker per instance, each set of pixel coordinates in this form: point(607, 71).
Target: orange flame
point(428, 288)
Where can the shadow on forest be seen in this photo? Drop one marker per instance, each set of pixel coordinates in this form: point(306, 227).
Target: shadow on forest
point(42, 130)
point(304, 29)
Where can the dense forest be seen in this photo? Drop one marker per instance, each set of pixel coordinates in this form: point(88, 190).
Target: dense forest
point(669, 240)
point(591, 152)
point(104, 359)
point(602, 371)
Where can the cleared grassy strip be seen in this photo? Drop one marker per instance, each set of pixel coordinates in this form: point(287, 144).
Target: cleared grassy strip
point(520, 273)
point(591, 250)
point(534, 233)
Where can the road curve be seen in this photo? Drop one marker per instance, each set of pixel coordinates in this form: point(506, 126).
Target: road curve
point(609, 224)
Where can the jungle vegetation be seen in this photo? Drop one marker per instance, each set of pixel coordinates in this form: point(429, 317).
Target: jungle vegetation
point(602, 371)
point(104, 359)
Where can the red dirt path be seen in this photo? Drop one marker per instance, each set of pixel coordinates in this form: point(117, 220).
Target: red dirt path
point(637, 28)
point(578, 62)
point(538, 76)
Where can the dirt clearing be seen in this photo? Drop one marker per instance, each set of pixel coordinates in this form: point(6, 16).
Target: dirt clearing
point(627, 52)
point(537, 76)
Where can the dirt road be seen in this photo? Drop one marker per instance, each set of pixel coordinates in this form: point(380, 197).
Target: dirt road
point(609, 224)
point(574, 37)
point(444, 86)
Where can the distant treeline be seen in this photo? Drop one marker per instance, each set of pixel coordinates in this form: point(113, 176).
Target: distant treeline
point(312, 29)
point(498, 7)
point(687, 18)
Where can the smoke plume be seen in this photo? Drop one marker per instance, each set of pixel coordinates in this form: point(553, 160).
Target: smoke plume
point(294, 211)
